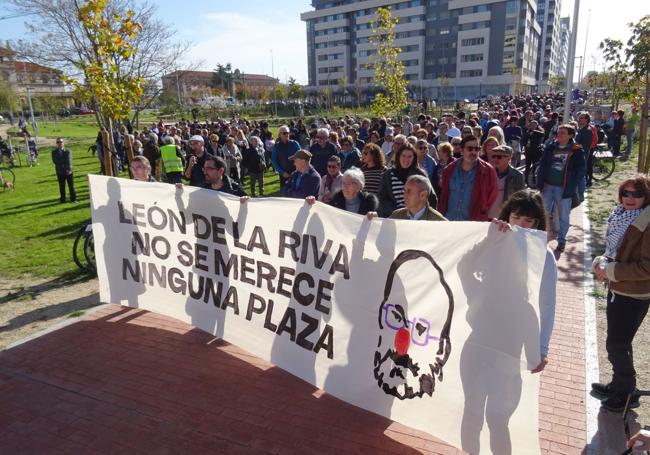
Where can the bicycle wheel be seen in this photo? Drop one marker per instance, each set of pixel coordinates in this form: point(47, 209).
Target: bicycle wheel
point(89, 251)
point(7, 179)
point(603, 168)
point(77, 248)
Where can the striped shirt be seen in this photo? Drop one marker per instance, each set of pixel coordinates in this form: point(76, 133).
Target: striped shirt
point(373, 179)
point(397, 187)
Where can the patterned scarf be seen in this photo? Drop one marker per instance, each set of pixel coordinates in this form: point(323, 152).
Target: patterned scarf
point(617, 225)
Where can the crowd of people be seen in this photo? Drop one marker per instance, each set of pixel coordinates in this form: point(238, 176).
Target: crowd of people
point(473, 161)
point(459, 167)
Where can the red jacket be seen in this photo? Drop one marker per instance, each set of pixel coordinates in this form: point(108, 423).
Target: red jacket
point(484, 192)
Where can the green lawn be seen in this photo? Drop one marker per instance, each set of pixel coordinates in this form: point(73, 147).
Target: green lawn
point(38, 231)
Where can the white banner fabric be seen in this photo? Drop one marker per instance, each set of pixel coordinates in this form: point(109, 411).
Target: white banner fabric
point(431, 324)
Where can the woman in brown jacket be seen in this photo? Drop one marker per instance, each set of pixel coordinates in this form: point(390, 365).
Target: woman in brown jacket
point(625, 265)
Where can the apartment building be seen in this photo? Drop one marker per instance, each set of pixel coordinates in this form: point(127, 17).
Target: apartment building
point(549, 59)
point(451, 49)
point(565, 38)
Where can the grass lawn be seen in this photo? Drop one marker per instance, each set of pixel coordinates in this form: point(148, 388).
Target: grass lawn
point(37, 231)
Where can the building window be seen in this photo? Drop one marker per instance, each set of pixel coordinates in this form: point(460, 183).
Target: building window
point(471, 58)
point(473, 41)
point(471, 73)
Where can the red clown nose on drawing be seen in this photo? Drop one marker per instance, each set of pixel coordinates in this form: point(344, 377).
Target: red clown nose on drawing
point(402, 341)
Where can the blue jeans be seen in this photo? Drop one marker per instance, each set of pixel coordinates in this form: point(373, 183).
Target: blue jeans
point(553, 195)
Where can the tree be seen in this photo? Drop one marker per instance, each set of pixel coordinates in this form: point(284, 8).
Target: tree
point(557, 83)
point(389, 70)
point(111, 93)
point(59, 40)
point(637, 56)
point(222, 76)
point(613, 51)
point(296, 91)
point(8, 98)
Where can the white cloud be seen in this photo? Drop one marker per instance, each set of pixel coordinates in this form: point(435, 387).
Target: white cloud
point(246, 41)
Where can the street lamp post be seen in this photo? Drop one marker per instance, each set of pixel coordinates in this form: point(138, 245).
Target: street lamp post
point(275, 104)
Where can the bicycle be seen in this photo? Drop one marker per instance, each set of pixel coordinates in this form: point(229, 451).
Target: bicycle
point(604, 162)
point(7, 179)
point(83, 250)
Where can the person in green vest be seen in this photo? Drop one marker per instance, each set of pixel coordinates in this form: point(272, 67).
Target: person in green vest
point(172, 161)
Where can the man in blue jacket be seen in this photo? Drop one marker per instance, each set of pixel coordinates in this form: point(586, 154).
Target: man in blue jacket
point(561, 169)
point(283, 149)
point(304, 181)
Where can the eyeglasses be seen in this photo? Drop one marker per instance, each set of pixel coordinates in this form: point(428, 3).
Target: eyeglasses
point(420, 328)
point(209, 168)
point(498, 157)
point(635, 194)
point(470, 148)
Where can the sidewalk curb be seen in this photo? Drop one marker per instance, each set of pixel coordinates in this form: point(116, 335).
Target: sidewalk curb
point(592, 374)
point(66, 322)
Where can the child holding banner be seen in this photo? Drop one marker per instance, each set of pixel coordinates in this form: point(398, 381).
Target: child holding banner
point(525, 209)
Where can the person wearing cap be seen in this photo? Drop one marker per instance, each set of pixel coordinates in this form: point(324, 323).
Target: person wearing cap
point(509, 179)
point(305, 180)
point(194, 170)
point(387, 144)
point(214, 169)
point(283, 149)
point(321, 151)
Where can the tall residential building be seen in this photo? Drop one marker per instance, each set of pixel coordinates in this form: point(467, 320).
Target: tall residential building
point(565, 37)
point(451, 49)
point(549, 55)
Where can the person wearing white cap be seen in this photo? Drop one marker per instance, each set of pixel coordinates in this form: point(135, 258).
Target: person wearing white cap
point(194, 171)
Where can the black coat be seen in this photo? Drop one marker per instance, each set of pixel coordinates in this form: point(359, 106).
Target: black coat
point(369, 202)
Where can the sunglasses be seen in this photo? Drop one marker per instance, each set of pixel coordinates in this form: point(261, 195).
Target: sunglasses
point(498, 157)
point(470, 148)
point(635, 194)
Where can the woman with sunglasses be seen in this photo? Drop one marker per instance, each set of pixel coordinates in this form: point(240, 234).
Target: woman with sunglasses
point(625, 267)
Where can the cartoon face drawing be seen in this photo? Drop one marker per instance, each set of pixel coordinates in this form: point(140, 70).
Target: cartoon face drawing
point(412, 349)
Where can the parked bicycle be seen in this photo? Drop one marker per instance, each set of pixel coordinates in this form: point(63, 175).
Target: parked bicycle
point(604, 162)
point(83, 250)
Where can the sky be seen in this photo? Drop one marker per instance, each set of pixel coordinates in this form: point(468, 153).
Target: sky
point(268, 37)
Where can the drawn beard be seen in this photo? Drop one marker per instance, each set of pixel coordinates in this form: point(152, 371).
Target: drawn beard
point(399, 376)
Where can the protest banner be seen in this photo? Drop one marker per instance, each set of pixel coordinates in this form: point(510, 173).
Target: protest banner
point(431, 324)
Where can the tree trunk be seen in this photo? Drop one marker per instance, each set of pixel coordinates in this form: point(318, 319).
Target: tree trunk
point(106, 141)
point(643, 163)
point(128, 144)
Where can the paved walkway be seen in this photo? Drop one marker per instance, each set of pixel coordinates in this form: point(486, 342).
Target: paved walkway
point(128, 381)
